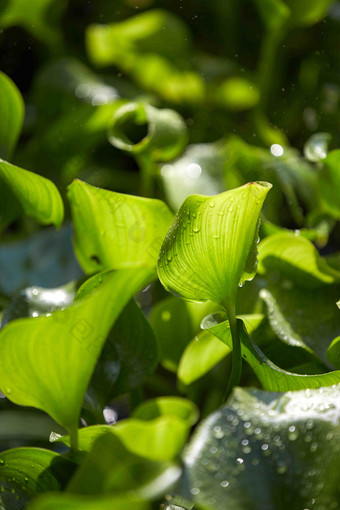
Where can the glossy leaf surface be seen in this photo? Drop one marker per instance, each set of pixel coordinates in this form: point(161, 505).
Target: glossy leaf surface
point(157, 432)
point(60, 501)
point(297, 258)
point(24, 192)
point(26, 472)
point(267, 451)
point(310, 320)
point(47, 362)
point(116, 231)
point(12, 115)
point(271, 376)
point(211, 247)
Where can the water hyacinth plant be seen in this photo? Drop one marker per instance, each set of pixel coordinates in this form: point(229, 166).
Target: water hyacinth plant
point(169, 258)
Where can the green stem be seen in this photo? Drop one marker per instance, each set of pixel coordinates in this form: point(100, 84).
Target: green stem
point(236, 368)
point(147, 169)
point(74, 439)
point(268, 64)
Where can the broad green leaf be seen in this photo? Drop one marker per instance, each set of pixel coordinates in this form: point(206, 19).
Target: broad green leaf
point(129, 355)
point(24, 192)
point(268, 451)
point(316, 147)
point(62, 501)
point(158, 434)
point(270, 375)
point(35, 301)
point(205, 351)
point(34, 17)
point(329, 184)
point(116, 231)
point(238, 94)
point(307, 12)
point(200, 356)
point(310, 320)
point(167, 406)
point(25, 472)
point(43, 259)
point(210, 248)
point(143, 129)
point(199, 170)
point(166, 317)
point(47, 362)
point(296, 258)
point(111, 467)
point(12, 115)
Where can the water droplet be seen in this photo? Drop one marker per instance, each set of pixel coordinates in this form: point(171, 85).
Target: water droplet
point(211, 204)
point(194, 491)
point(196, 229)
point(8, 391)
point(169, 257)
point(264, 447)
point(2, 462)
point(239, 461)
point(224, 483)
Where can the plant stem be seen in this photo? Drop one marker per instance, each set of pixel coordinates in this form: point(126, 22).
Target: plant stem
point(236, 368)
point(147, 169)
point(74, 439)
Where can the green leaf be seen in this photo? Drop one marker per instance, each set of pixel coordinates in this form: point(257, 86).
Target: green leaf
point(329, 184)
point(33, 17)
point(200, 356)
point(307, 12)
point(111, 467)
point(210, 248)
point(267, 450)
point(25, 472)
point(199, 170)
point(12, 115)
point(116, 231)
point(165, 318)
point(24, 192)
point(238, 94)
point(59, 501)
point(157, 431)
point(297, 258)
point(47, 362)
point(310, 320)
point(271, 376)
point(153, 48)
point(274, 13)
point(143, 129)
point(205, 351)
point(131, 348)
point(152, 31)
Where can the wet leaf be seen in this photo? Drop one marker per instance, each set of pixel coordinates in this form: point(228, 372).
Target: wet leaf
point(62, 501)
point(267, 451)
point(116, 231)
point(211, 246)
point(25, 472)
point(310, 320)
point(47, 362)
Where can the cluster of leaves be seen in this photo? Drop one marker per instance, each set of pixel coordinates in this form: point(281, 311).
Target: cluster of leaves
point(159, 162)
